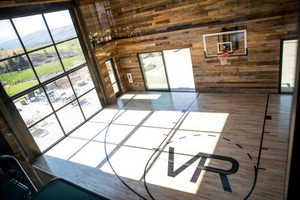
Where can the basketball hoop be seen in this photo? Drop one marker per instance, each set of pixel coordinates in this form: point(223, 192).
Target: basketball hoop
point(223, 57)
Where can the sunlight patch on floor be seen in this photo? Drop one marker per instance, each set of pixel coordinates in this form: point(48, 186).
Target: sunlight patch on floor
point(66, 148)
point(205, 121)
point(163, 119)
point(132, 138)
point(127, 96)
point(128, 162)
point(147, 96)
point(132, 117)
point(92, 154)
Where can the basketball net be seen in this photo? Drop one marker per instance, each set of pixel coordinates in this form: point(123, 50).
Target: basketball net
point(223, 58)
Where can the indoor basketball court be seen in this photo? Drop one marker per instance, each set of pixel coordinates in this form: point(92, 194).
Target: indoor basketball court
point(168, 146)
point(149, 100)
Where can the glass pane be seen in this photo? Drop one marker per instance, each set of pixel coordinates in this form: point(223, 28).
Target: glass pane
point(46, 132)
point(60, 92)
point(71, 54)
point(33, 106)
point(46, 63)
point(16, 75)
point(81, 81)
point(289, 60)
point(153, 69)
point(110, 71)
point(180, 69)
point(115, 88)
point(90, 103)
point(33, 31)
point(61, 25)
point(9, 42)
point(70, 116)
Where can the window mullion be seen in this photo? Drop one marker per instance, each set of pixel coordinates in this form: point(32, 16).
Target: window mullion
point(60, 60)
point(56, 50)
point(42, 85)
point(38, 49)
point(46, 82)
point(36, 75)
point(24, 48)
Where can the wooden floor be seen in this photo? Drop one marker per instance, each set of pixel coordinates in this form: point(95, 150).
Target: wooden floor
point(202, 147)
point(271, 179)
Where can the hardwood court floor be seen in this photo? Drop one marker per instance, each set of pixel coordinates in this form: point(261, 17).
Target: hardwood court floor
point(201, 147)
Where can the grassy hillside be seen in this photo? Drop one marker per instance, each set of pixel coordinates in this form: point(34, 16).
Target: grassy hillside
point(18, 81)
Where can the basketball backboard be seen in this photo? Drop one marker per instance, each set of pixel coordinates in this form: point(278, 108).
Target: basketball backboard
point(233, 42)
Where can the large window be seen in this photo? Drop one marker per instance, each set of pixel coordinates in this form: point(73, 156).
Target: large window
point(44, 72)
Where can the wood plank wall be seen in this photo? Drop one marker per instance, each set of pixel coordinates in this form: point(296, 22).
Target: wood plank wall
point(257, 72)
point(106, 52)
point(8, 3)
point(163, 15)
point(144, 26)
point(103, 53)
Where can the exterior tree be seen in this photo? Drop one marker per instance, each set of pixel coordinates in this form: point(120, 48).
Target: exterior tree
point(12, 65)
point(22, 63)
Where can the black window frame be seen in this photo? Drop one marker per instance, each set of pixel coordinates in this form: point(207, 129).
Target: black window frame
point(23, 11)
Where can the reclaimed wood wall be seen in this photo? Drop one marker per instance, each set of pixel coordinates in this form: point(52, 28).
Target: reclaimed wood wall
point(103, 53)
point(144, 26)
point(13, 3)
point(257, 72)
point(106, 52)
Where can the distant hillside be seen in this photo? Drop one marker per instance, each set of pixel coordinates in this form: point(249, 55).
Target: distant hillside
point(37, 39)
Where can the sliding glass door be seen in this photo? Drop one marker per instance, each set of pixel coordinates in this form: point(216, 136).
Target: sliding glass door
point(153, 68)
point(169, 70)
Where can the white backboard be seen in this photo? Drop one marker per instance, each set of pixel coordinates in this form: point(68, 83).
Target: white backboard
point(234, 42)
